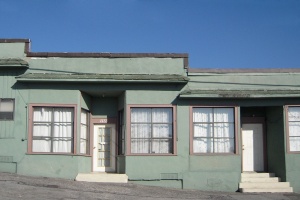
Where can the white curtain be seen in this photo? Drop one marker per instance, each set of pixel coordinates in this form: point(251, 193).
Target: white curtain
point(42, 118)
point(83, 132)
point(213, 130)
point(62, 133)
point(148, 126)
point(294, 128)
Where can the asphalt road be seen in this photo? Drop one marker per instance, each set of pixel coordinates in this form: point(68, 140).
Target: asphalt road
point(13, 186)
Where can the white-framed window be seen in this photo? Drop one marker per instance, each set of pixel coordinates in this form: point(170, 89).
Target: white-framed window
point(213, 130)
point(152, 130)
point(84, 132)
point(293, 119)
point(7, 107)
point(52, 129)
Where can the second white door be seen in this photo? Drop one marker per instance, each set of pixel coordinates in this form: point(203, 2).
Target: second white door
point(253, 148)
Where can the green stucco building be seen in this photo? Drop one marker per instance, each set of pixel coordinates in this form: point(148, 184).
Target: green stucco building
point(147, 115)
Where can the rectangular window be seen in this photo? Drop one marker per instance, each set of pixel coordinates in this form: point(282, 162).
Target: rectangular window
point(213, 130)
point(7, 109)
point(121, 134)
point(151, 130)
point(84, 132)
point(53, 129)
point(294, 128)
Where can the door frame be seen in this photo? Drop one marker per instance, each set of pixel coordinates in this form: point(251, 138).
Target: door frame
point(256, 120)
point(102, 121)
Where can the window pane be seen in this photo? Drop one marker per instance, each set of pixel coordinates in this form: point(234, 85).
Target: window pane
point(162, 115)
point(83, 132)
point(224, 130)
point(162, 130)
point(294, 143)
point(140, 146)
point(41, 145)
point(83, 146)
point(62, 145)
point(203, 130)
point(42, 129)
point(202, 115)
point(294, 128)
point(223, 115)
point(203, 145)
point(294, 113)
point(162, 146)
point(223, 145)
point(62, 130)
point(6, 105)
point(83, 117)
point(140, 115)
point(42, 114)
point(63, 114)
point(140, 130)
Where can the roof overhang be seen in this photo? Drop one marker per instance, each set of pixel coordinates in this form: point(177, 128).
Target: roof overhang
point(117, 78)
point(13, 63)
point(240, 94)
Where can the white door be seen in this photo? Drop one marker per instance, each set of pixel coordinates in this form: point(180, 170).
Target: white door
point(104, 157)
point(253, 148)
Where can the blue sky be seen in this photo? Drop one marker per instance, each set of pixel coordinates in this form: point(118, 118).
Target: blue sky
point(215, 33)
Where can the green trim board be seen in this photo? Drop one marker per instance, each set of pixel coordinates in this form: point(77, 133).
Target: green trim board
point(53, 77)
point(13, 62)
point(215, 93)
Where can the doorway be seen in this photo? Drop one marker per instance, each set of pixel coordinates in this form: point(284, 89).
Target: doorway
point(104, 148)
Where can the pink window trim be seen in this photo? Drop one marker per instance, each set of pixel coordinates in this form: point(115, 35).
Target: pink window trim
point(286, 113)
point(128, 131)
point(30, 127)
point(236, 119)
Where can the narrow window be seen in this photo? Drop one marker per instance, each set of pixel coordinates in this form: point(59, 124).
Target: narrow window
point(294, 128)
point(84, 132)
point(151, 130)
point(7, 109)
point(53, 129)
point(213, 130)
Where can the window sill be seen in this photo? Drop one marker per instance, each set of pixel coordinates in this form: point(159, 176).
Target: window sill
point(57, 154)
point(157, 154)
point(214, 154)
point(293, 152)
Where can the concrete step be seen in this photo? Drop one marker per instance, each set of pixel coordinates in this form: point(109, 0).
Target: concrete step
point(260, 180)
point(265, 190)
point(265, 185)
point(102, 177)
point(257, 175)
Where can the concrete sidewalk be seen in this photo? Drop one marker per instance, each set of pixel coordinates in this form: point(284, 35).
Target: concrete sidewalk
point(13, 186)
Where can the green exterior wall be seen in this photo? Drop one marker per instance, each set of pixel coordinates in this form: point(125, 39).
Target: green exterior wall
point(276, 141)
point(104, 99)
